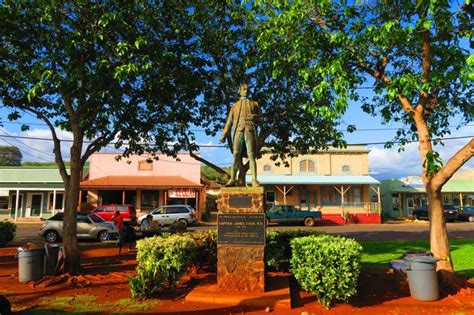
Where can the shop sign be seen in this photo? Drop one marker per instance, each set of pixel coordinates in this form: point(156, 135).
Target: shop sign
point(412, 181)
point(182, 193)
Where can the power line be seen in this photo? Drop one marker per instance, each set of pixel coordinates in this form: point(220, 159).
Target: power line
point(203, 130)
point(224, 146)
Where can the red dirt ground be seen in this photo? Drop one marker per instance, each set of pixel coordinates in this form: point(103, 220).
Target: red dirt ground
point(107, 279)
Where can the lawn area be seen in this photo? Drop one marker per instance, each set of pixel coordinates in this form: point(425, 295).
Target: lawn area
point(379, 254)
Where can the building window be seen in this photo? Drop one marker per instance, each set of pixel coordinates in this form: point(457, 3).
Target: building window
point(145, 165)
point(330, 197)
point(307, 166)
point(267, 168)
point(149, 199)
point(3, 202)
point(345, 169)
point(270, 196)
point(357, 196)
point(59, 201)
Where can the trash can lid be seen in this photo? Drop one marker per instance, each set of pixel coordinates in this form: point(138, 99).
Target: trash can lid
point(422, 259)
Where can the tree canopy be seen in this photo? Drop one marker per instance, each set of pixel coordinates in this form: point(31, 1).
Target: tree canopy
point(105, 71)
point(10, 156)
point(416, 56)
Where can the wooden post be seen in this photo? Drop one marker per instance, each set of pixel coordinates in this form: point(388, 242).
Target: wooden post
point(284, 194)
point(400, 204)
point(80, 200)
point(54, 202)
point(460, 201)
point(123, 197)
point(17, 200)
point(379, 202)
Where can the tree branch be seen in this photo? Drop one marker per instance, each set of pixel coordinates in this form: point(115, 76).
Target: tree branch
point(200, 159)
point(58, 157)
point(458, 160)
point(100, 141)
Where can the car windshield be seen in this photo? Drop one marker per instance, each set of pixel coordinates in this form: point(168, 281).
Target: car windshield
point(158, 211)
point(95, 218)
point(122, 208)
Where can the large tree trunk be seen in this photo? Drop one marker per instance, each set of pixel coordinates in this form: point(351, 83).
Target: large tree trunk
point(71, 248)
point(438, 233)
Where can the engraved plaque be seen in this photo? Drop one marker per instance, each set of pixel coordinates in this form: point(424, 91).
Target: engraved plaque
point(241, 229)
point(240, 201)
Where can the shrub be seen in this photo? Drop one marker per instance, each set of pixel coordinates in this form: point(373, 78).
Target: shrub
point(206, 249)
point(161, 261)
point(326, 266)
point(7, 232)
point(278, 249)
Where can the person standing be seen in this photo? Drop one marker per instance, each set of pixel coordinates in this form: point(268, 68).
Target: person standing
point(117, 219)
point(145, 227)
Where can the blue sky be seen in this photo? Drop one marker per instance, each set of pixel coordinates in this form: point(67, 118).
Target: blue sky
point(383, 163)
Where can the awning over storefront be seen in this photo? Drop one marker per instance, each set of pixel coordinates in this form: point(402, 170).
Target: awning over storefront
point(138, 182)
point(316, 180)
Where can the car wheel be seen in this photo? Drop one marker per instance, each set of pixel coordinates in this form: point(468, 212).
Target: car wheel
point(309, 221)
point(102, 236)
point(471, 218)
point(184, 222)
point(51, 236)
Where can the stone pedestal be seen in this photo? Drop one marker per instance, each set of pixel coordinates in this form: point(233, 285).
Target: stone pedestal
point(241, 240)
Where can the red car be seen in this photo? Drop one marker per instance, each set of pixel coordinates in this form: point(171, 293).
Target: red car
point(106, 212)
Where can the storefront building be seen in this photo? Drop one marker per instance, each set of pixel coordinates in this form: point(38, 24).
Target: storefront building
point(143, 182)
point(30, 192)
point(335, 181)
point(400, 196)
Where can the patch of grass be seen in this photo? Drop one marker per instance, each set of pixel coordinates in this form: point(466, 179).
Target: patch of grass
point(379, 254)
point(78, 303)
point(131, 305)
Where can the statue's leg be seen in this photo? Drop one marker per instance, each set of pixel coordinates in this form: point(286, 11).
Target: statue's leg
point(251, 148)
point(236, 157)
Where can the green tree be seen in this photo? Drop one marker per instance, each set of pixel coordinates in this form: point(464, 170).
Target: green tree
point(103, 71)
point(10, 156)
point(226, 54)
point(416, 55)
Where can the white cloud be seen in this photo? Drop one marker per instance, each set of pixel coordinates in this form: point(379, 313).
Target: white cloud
point(37, 150)
point(388, 163)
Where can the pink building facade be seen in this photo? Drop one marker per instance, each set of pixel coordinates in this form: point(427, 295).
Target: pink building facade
point(143, 182)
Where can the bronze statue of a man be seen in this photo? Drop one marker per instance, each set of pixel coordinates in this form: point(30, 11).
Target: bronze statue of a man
point(242, 119)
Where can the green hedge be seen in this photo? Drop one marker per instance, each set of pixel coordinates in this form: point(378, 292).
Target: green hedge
point(278, 249)
point(327, 266)
point(7, 232)
point(206, 249)
point(162, 261)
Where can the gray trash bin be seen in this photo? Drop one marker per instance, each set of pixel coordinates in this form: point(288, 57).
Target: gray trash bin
point(51, 258)
point(30, 264)
point(422, 277)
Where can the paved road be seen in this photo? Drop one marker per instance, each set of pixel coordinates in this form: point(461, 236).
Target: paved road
point(28, 232)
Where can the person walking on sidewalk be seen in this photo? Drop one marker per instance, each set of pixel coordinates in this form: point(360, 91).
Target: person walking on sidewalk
point(117, 219)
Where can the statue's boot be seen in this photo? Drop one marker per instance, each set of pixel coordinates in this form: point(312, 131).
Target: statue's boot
point(230, 183)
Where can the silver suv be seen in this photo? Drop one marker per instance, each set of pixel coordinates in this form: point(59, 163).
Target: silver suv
point(170, 214)
point(89, 226)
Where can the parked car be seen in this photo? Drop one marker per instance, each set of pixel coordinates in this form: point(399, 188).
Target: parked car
point(450, 213)
point(288, 214)
point(89, 226)
point(168, 215)
point(467, 214)
point(106, 212)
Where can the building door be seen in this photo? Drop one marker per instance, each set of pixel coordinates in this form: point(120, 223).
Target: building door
point(410, 204)
point(308, 200)
point(20, 205)
point(34, 204)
